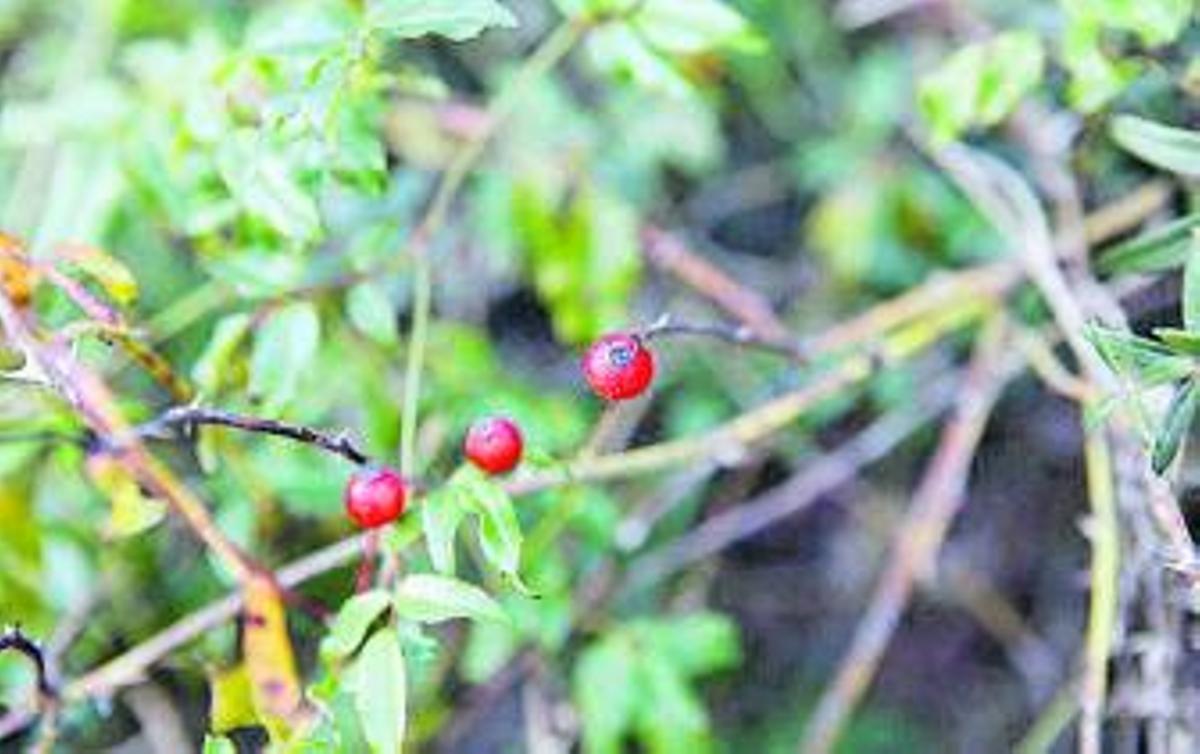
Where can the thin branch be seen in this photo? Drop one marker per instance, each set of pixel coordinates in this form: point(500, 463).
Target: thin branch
point(915, 546)
point(13, 640)
point(668, 252)
point(827, 473)
point(742, 336)
point(186, 418)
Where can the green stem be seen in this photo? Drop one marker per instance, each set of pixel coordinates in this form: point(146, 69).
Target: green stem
point(552, 50)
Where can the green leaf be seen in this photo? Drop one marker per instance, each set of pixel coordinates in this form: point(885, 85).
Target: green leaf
point(605, 689)
point(694, 644)
point(353, 621)
point(379, 683)
point(1182, 342)
point(1161, 248)
point(1172, 149)
point(670, 718)
point(263, 183)
point(370, 309)
point(212, 368)
point(232, 704)
point(284, 347)
point(433, 599)
point(981, 84)
point(454, 19)
point(441, 513)
point(1191, 287)
point(1147, 361)
point(1095, 78)
point(1176, 423)
point(499, 531)
point(218, 745)
point(693, 27)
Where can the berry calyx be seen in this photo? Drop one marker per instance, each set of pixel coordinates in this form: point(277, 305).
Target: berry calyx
point(494, 444)
point(618, 366)
point(375, 496)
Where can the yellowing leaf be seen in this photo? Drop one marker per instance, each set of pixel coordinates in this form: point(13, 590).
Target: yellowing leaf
point(133, 511)
point(232, 703)
point(269, 659)
point(109, 272)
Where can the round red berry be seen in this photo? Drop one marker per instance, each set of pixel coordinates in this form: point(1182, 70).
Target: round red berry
point(375, 497)
point(494, 444)
point(619, 366)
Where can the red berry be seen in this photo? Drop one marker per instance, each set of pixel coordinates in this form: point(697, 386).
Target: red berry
point(618, 366)
point(494, 444)
point(375, 497)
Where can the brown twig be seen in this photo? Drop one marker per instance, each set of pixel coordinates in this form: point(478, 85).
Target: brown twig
point(187, 418)
point(669, 253)
point(935, 503)
point(742, 336)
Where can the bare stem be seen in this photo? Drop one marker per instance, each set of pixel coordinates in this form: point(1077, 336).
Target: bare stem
point(187, 418)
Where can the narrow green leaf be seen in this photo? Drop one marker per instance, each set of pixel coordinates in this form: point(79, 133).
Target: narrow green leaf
point(379, 683)
point(1176, 423)
point(1148, 362)
point(454, 19)
point(441, 513)
point(1181, 342)
point(370, 309)
point(1175, 150)
point(352, 623)
point(1191, 287)
point(500, 535)
point(107, 271)
point(1161, 248)
point(212, 368)
point(427, 598)
point(284, 346)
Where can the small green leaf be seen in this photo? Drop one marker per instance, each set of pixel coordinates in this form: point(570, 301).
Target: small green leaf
point(671, 717)
point(981, 84)
point(1175, 150)
point(433, 599)
point(212, 368)
point(499, 531)
point(605, 689)
point(1176, 423)
point(370, 309)
point(11, 359)
point(379, 683)
point(284, 346)
point(261, 179)
point(1160, 248)
point(353, 621)
point(693, 27)
point(132, 511)
point(1149, 362)
point(695, 644)
point(454, 19)
point(218, 745)
point(1181, 342)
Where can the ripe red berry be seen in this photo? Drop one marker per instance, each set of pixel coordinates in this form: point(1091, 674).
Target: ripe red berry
point(619, 366)
point(375, 497)
point(494, 444)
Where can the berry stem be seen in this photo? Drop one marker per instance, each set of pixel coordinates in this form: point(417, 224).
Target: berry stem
point(188, 417)
point(742, 336)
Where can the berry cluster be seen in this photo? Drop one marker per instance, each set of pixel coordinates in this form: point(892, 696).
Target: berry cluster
point(617, 367)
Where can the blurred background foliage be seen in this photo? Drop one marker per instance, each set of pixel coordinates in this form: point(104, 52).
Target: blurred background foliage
point(255, 168)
